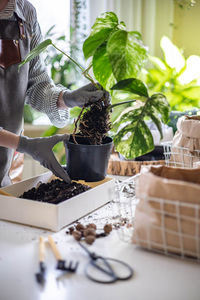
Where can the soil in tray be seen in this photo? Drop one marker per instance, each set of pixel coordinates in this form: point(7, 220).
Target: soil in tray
point(55, 191)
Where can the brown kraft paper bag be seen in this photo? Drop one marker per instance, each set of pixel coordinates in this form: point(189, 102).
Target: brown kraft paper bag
point(167, 216)
point(185, 150)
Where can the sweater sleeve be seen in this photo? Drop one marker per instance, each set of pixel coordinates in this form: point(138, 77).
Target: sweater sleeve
point(42, 94)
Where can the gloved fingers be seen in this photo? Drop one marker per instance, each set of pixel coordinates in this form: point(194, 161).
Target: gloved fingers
point(58, 170)
point(93, 97)
point(59, 138)
point(91, 87)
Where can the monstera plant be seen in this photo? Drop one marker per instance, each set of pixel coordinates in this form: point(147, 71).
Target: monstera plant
point(116, 57)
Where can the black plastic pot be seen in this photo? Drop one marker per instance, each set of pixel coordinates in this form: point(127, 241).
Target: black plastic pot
point(87, 162)
point(156, 154)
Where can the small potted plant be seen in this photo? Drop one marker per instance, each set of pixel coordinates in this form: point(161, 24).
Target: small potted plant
point(117, 57)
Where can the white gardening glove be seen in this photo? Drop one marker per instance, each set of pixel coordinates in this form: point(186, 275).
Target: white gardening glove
point(41, 150)
point(86, 94)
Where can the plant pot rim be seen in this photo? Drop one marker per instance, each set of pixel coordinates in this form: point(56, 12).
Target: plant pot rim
point(108, 141)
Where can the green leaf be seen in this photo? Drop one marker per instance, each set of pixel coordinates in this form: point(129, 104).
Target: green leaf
point(28, 114)
point(50, 131)
point(100, 31)
point(126, 54)
point(160, 103)
point(157, 62)
point(105, 20)
point(156, 119)
point(136, 140)
point(63, 159)
point(103, 74)
point(129, 115)
point(172, 54)
point(132, 85)
point(132, 136)
point(49, 31)
point(192, 92)
point(122, 25)
point(36, 51)
point(74, 112)
point(93, 42)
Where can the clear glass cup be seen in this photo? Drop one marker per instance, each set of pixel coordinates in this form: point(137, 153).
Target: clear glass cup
point(125, 203)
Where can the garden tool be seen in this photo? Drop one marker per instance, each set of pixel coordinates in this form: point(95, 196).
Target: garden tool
point(102, 269)
point(61, 263)
point(5, 193)
point(40, 276)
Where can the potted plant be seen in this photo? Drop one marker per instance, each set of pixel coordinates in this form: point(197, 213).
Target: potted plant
point(117, 57)
point(178, 78)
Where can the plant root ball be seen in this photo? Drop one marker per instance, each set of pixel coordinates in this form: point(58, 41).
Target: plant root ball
point(95, 122)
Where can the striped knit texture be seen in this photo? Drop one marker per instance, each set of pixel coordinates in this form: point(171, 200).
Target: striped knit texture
point(8, 10)
point(42, 94)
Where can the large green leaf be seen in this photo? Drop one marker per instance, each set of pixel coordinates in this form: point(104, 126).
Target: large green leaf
point(129, 115)
point(134, 140)
point(100, 31)
point(132, 136)
point(160, 103)
point(105, 20)
point(126, 54)
point(132, 85)
point(152, 113)
point(157, 62)
point(103, 74)
point(36, 51)
point(172, 54)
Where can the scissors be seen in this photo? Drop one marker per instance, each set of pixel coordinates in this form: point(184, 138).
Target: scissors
point(106, 270)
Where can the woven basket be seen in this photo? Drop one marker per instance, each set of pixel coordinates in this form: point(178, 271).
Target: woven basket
point(116, 166)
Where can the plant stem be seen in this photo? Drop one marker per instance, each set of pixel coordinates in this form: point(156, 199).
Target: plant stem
point(84, 71)
point(120, 103)
point(76, 63)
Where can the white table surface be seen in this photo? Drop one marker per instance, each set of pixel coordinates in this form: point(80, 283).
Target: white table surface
point(156, 276)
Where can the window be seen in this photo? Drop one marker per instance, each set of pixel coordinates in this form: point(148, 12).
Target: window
point(50, 12)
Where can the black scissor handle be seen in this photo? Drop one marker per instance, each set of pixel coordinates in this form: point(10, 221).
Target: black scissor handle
point(108, 270)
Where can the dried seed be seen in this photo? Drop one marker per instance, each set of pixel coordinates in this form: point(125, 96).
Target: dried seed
point(107, 228)
point(89, 231)
point(80, 227)
point(77, 235)
point(92, 225)
point(90, 239)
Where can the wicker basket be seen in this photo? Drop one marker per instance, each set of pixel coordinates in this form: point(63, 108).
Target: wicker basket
point(116, 166)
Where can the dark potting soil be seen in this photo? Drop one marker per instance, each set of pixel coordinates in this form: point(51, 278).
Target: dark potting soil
point(55, 191)
point(94, 123)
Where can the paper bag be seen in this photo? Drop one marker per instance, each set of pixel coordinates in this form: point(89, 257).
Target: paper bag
point(167, 217)
point(185, 150)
